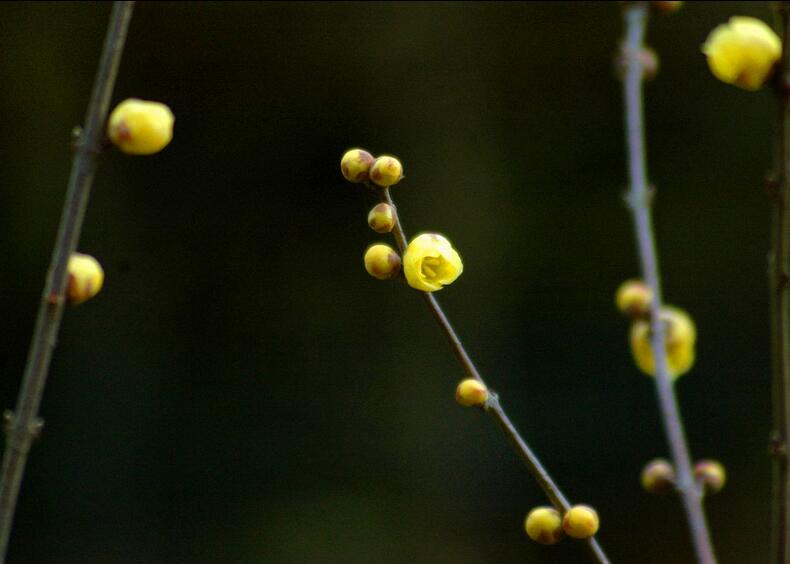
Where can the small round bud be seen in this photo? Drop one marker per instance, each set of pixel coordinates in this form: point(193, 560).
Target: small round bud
point(139, 127)
point(743, 52)
point(648, 58)
point(580, 522)
point(382, 262)
point(712, 475)
point(666, 7)
point(386, 171)
point(544, 525)
point(658, 477)
point(681, 337)
point(382, 218)
point(355, 165)
point(633, 298)
point(471, 393)
point(86, 278)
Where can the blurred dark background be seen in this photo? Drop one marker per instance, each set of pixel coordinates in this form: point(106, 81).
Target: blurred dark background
point(242, 391)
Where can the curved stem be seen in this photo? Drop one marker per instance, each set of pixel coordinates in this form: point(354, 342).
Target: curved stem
point(23, 426)
point(779, 271)
point(639, 200)
point(493, 406)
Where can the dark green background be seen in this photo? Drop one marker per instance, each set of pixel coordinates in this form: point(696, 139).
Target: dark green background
point(241, 391)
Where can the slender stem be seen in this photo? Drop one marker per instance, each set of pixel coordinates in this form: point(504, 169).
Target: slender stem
point(23, 426)
point(493, 406)
point(635, 15)
point(779, 270)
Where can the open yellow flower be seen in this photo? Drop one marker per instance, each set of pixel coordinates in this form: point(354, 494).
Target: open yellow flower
point(430, 263)
point(743, 52)
point(681, 338)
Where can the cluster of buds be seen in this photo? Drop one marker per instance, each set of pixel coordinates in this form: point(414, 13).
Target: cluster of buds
point(743, 52)
point(658, 476)
point(545, 525)
point(633, 298)
point(429, 262)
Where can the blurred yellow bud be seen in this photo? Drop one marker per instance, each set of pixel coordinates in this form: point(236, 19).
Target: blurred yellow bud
point(355, 165)
point(382, 262)
point(633, 298)
point(681, 337)
point(580, 522)
point(430, 263)
point(712, 475)
point(666, 7)
point(544, 525)
point(658, 476)
point(386, 171)
point(86, 278)
point(743, 52)
point(471, 392)
point(382, 218)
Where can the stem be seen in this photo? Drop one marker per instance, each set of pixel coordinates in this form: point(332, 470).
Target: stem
point(493, 407)
point(23, 426)
point(639, 199)
point(780, 308)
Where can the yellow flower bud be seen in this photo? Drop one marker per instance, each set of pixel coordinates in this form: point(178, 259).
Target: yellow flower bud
point(355, 165)
point(386, 171)
point(382, 218)
point(633, 298)
point(712, 475)
point(430, 263)
point(139, 127)
point(544, 525)
point(86, 278)
point(743, 52)
point(658, 476)
point(580, 522)
point(382, 262)
point(681, 337)
point(471, 392)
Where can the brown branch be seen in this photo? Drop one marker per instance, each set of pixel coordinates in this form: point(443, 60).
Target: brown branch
point(24, 425)
point(635, 16)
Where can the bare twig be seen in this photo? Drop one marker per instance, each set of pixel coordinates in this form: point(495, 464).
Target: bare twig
point(24, 425)
point(635, 15)
point(779, 270)
point(493, 407)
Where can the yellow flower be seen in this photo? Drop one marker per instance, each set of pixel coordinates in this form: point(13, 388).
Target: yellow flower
point(430, 262)
point(138, 127)
point(86, 278)
point(681, 337)
point(580, 522)
point(355, 165)
point(743, 52)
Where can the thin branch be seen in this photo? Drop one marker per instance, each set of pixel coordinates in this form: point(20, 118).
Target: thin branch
point(779, 270)
point(639, 198)
point(24, 425)
point(493, 407)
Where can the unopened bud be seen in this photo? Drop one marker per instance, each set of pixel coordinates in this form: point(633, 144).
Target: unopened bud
point(139, 127)
point(382, 262)
point(658, 477)
point(471, 392)
point(544, 525)
point(382, 218)
point(86, 278)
